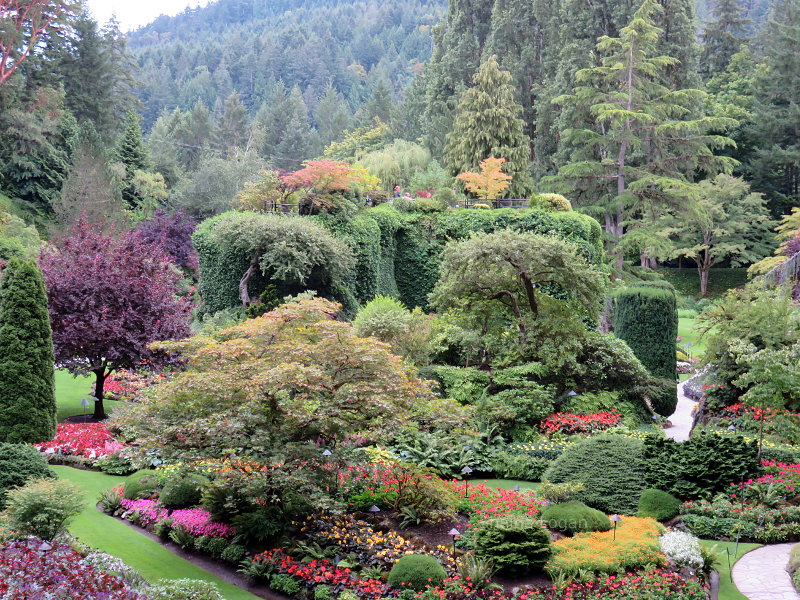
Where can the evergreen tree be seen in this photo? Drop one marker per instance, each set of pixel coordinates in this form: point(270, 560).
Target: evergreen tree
point(331, 116)
point(231, 131)
point(379, 105)
point(774, 168)
point(488, 124)
point(722, 37)
point(133, 155)
point(298, 141)
point(640, 152)
point(91, 188)
point(27, 387)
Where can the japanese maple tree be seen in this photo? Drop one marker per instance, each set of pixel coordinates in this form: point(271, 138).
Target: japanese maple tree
point(110, 297)
point(324, 176)
point(490, 182)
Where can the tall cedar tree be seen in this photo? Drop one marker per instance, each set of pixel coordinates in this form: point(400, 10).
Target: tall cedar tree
point(231, 131)
point(27, 387)
point(110, 297)
point(775, 167)
point(133, 154)
point(640, 151)
point(722, 37)
point(488, 123)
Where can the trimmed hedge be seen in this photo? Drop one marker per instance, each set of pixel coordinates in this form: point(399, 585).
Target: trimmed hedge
point(611, 467)
point(416, 572)
point(575, 517)
point(658, 505)
point(646, 317)
point(517, 545)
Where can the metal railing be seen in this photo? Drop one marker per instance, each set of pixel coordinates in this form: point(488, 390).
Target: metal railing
point(496, 203)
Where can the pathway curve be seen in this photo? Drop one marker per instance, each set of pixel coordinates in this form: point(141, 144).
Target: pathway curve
point(681, 419)
point(761, 574)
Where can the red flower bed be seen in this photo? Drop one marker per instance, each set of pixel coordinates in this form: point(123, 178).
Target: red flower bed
point(652, 584)
point(734, 411)
point(27, 573)
point(319, 572)
point(90, 440)
point(574, 423)
point(484, 503)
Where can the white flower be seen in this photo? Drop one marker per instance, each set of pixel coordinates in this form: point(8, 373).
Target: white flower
point(683, 548)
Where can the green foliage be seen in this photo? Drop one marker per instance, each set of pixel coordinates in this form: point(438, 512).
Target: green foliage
point(42, 508)
point(559, 493)
point(658, 505)
point(181, 536)
point(18, 464)
point(550, 202)
point(464, 384)
point(416, 572)
point(141, 484)
point(183, 589)
point(284, 584)
point(109, 501)
point(215, 546)
point(611, 467)
point(700, 468)
point(259, 527)
point(575, 517)
point(233, 554)
point(647, 319)
point(513, 465)
point(27, 386)
point(182, 491)
point(517, 545)
point(114, 464)
point(662, 393)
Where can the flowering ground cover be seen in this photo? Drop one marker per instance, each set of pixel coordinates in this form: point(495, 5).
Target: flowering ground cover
point(654, 585)
point(28, 573)
point(480, 502)
point(572, 423)
point(89, 440)
point(196, 521)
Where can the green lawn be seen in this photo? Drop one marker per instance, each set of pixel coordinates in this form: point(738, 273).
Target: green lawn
point(688, 333)
point(69, 393)
point(110, 535)
point(507, 484)
point(727, 590)
point(687, 280)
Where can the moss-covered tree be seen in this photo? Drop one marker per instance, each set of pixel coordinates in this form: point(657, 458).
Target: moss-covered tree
point(27, 389)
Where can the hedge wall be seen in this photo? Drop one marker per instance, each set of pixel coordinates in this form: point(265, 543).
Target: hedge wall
point(646, 317)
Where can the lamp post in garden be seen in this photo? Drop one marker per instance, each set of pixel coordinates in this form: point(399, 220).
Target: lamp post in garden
point(616, 519)
point(374, 510)
point(465, 471)
point(84, 404)
point(454, 533)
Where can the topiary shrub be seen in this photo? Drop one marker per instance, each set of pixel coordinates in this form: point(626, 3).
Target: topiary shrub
point(183, 491)
point(658, 505)
point(662, 393)
point(611, 467)
point(647, 319)
point(141, 484)
point(575, 517)
point(516, 545)
point(416, 572)
point(18, 464)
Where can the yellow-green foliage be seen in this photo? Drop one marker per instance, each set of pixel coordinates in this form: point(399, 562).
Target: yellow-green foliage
point(551, 202)
point(634, 545)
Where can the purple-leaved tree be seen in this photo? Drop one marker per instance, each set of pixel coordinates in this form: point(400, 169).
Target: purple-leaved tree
point(109, 298)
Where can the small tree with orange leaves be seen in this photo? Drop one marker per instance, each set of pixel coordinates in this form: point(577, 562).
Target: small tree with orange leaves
point(490, 182)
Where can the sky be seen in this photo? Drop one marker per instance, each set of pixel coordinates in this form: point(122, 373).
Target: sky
point(134, 13)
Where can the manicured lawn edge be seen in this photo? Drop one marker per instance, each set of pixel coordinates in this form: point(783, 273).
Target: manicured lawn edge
point(153, 560)
point(728, 589)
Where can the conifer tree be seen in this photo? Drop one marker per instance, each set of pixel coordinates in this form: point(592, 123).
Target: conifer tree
point(488, 124)
point(640, 152)
point(298, 141)
point(27, 387)
point(775, 131)
point(231, 131)
point(380, 105)
point(722, 37)
point(331, 115)
point(134, 156)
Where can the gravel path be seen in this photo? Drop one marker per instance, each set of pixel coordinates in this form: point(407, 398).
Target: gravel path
point(761, 574)
point(681, 419)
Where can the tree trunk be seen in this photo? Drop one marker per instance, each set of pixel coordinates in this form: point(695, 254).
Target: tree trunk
point(244, 293)
point(704, 282)
point(99, 393)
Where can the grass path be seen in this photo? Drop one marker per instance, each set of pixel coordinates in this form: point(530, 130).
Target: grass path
point(112, 536)
point(727, 589)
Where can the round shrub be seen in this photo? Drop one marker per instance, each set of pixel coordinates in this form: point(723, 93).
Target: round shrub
point(517, 545)
point(141, 484)
point(612, 469)
point(575, 517)
point(183, 589)
point(416, 572)
point(18, 464)
point(183, 491)
point(658, 505)
point(233, 554)
point(42, 508)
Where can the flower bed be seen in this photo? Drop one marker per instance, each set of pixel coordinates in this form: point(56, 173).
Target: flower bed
point(27, 573)
point(572, 423)
point(652, 585)
point(635, 544)
point(481, 503)
point(371, 548)
point(196, 521)
point(724, 519)
point(146, 512)
point(89, 440)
